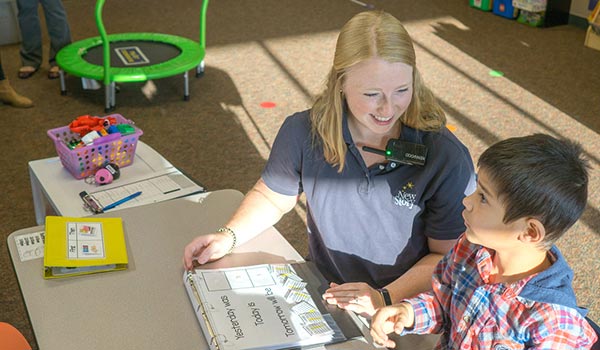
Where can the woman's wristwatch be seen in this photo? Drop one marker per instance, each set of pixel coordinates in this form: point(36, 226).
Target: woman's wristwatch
point(387, 300)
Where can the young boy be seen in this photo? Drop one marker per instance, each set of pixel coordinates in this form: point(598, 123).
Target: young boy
point(505, 285)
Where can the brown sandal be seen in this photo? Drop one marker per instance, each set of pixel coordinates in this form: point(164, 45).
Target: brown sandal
point(53, 72)
point(26, 72)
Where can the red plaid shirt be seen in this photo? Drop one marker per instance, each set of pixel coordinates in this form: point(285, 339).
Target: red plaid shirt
point(472, 313)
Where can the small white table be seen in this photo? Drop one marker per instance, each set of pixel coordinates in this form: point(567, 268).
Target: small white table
point(56, 191)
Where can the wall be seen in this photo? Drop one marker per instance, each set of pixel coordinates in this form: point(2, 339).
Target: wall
point(9, 29)
point(579, 8)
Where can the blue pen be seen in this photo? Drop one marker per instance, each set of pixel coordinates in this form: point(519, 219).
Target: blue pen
point(121, 201)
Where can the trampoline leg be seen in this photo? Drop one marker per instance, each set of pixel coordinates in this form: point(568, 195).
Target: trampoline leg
point(200, 69)
point(186, 87)
point(63, 86)
point(107, 100)
point(113, 96)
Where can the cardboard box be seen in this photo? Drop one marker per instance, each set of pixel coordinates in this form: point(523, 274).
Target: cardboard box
point(592, 37)
point(592, 40)
point(485, 5)
point(505, 8)
point(543, 13)
point(531, 5)
point(534, 19)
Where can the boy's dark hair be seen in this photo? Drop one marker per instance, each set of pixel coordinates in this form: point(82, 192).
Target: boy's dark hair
point(539, 176)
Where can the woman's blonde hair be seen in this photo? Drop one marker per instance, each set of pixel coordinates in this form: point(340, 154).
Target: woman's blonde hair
point(367, 35)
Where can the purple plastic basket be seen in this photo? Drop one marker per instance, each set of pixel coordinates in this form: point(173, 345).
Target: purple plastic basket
point(84, 161)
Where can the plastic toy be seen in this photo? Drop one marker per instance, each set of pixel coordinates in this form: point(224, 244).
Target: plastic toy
point(84, 124)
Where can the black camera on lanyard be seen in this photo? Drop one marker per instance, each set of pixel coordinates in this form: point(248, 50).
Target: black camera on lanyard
point(403, 152)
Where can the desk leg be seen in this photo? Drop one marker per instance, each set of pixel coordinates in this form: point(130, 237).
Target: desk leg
point(40, 203)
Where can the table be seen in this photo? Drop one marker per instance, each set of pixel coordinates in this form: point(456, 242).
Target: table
point(56, 191)
point(146, 306)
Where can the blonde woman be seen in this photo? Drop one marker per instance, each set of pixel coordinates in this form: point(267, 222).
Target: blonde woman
point(376, 227)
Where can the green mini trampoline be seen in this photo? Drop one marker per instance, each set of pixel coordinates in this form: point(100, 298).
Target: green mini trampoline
point(132, 57)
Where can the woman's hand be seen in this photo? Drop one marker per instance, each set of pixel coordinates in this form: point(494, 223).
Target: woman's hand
point(358, 297)
point(207, 248)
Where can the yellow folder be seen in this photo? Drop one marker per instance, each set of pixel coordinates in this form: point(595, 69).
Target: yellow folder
point(80, 246)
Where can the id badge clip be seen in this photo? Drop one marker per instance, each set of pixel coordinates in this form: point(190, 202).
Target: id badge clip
point(403, 152)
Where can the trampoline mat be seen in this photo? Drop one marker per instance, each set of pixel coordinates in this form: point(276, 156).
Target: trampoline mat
point(133, 53)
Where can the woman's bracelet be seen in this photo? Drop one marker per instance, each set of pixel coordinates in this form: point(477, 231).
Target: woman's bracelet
point(385, 295)
point(230, 231)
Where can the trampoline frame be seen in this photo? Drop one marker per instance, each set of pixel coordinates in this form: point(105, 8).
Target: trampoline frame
point(70, 58)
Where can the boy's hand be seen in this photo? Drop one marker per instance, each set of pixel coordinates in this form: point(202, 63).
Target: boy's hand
point(391, 319)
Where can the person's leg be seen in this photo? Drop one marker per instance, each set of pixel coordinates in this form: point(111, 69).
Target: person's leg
point(8, 95)
point(58, 27)
point(29, 23)
point(2, 76)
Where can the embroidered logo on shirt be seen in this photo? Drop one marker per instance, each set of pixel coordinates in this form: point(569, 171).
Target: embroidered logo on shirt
point(404, 198)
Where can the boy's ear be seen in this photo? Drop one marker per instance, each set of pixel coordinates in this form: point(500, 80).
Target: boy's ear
point(534, 231)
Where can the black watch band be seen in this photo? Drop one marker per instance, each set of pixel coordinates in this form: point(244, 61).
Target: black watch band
point(387, 300)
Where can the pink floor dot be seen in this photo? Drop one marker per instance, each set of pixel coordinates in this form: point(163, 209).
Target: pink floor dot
point(267, 104)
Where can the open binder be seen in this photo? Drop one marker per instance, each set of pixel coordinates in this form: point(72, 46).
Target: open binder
point(276, 306)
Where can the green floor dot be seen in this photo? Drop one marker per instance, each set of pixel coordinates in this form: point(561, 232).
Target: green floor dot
point(496, 73)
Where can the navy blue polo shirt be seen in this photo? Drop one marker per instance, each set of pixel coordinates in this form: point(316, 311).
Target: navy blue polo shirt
point(371, 224)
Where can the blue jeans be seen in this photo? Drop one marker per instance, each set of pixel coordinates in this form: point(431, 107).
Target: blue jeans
point(31, 33)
